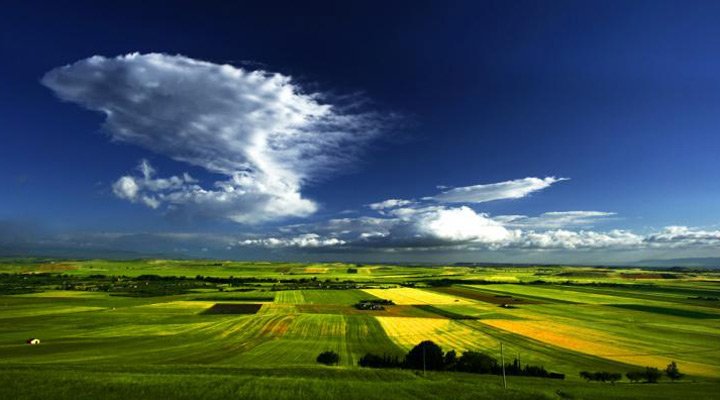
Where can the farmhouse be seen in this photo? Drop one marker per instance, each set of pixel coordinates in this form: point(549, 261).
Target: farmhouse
point(33, 341)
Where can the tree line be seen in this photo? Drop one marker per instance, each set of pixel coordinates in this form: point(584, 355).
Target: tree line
point(429, 356)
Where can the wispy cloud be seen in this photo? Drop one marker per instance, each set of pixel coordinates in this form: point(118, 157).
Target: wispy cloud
point(260, 129)
point(514, 189)
point(556, 219)
point(474, 194)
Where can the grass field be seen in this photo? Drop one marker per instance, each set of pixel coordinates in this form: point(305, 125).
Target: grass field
point(109, 334)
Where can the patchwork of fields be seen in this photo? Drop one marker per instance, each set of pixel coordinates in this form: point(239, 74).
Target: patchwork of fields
point(565, 326)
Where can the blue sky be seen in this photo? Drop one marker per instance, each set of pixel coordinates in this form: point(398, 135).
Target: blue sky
point(509, 131)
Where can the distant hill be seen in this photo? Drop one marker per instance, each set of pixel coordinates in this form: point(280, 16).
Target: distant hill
point(705, 262)
point(69, 252)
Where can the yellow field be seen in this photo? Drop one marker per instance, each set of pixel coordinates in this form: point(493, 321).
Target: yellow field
point(180, 306)
point(316, 270)
point(595, 343)
point(415, 296)
point(450, 335)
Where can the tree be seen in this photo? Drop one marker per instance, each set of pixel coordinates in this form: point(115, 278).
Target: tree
point(652, 375)
point(479, 363)
point(673, 372)
point(533, 370)
point(426, 355)
point(370, 360)
point(328, 358)
point(450, 360)
point(601, 376)
point(635, 376)
point(515, 368)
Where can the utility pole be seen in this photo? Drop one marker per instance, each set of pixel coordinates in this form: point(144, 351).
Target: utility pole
point(502, 360)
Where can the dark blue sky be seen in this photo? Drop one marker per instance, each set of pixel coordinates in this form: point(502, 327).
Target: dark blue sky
point(622, 97)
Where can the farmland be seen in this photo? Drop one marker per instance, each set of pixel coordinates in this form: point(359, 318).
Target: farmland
point(190, 329)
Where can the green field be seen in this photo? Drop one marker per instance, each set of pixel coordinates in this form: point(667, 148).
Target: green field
point(136, 329)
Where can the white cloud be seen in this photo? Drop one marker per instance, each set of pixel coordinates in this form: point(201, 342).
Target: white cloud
point(460, 225)
point(239, 199)
point(407, 228)
point(311, 240)
point(390, 203)
point(126, 188)
point(514, 189)
point(259, 129)
point(683, 236)
point(422, 228)
point(462, 228)
point(149, 190)
point(565, 239)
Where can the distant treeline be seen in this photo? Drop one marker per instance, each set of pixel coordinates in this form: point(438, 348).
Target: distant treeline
point(150, 285)
point(429, 356)
point(451, 281)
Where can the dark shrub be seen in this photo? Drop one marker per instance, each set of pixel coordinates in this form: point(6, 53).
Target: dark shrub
point(555, 375)
point(426, 355)
point(328, 358)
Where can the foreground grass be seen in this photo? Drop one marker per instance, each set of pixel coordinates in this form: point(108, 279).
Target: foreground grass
point(202, 382)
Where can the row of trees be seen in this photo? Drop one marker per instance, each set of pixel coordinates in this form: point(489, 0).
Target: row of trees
point(649, 375)
point(429, 356)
